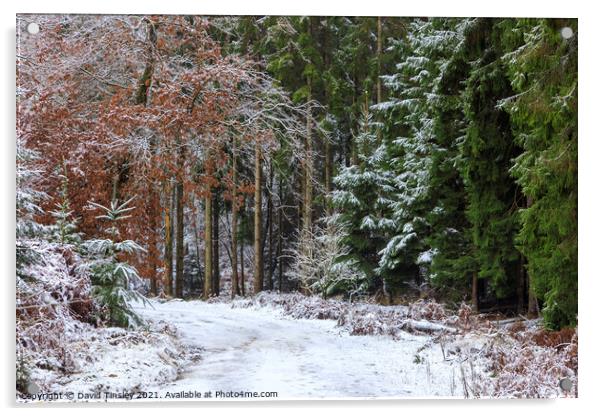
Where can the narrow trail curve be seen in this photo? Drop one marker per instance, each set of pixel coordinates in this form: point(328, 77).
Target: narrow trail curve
point(258, 350)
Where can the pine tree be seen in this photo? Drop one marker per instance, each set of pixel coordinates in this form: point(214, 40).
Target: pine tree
point(112, 276)
point(487, 151)
point(359, 195)
point(64, 230)
point(543, 70)
point(413, 148)
point(28, 198)
point(452, 266)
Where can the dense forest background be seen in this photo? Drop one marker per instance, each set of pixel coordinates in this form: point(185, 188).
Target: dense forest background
point(188, 156)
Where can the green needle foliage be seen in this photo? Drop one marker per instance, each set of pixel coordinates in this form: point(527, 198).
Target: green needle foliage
point(487, 152)
point(543, 71)
point(471, 169)
point(112, 277)
point(64, 230)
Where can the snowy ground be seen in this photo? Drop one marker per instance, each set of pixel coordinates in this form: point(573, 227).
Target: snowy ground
point(62, 356)
point(109, 364)
point(257, 350)
point(298, 347)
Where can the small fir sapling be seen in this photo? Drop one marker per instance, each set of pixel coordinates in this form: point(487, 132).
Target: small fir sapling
point(112, 276)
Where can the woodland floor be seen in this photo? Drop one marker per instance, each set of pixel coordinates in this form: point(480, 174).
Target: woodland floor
point(300, 347)
point(260, 350)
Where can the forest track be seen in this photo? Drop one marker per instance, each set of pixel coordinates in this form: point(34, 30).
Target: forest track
point(259, 350)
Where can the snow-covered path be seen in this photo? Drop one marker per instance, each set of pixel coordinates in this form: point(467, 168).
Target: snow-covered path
point(259, 350)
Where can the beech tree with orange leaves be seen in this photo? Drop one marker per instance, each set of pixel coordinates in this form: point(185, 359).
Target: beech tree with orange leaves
point(148, 107)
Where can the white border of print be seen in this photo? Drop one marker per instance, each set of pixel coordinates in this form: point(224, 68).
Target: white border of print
point(590, 149)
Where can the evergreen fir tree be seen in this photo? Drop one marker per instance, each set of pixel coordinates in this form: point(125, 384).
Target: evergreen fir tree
point(112, 277)
point(28, 198)
point(64, 229)
point(487, 152)
point(452, 264)
point(358, 197)
point(413, 145)
point(543, 70)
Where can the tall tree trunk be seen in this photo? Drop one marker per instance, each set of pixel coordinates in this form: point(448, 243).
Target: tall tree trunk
point(215, 251)
point(179, 238)
point(258, 275)
point(153, 255)
point(327, 168)
point(168, 258)
point(308, 195)
point(354, 153)
point(144, 97)
point(327, 143)
point(197, 244)
point(475, 291)
point(271, 232)
point(242, 269)
point(280, 230)
point(208, 246)
point(235, 290)
point(521, 286)
point(153, 280)
point(153, 252)
point(532, 307)
point(145, 82)
point(379, 89)
point(300, 209)
point(379, 48)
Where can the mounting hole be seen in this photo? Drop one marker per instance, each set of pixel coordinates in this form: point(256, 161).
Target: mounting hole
point(33, 388)
point(566, 32)
point(566, 384)
point(33, 28)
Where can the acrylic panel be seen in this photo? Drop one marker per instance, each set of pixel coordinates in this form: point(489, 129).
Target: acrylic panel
point(295, 207)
